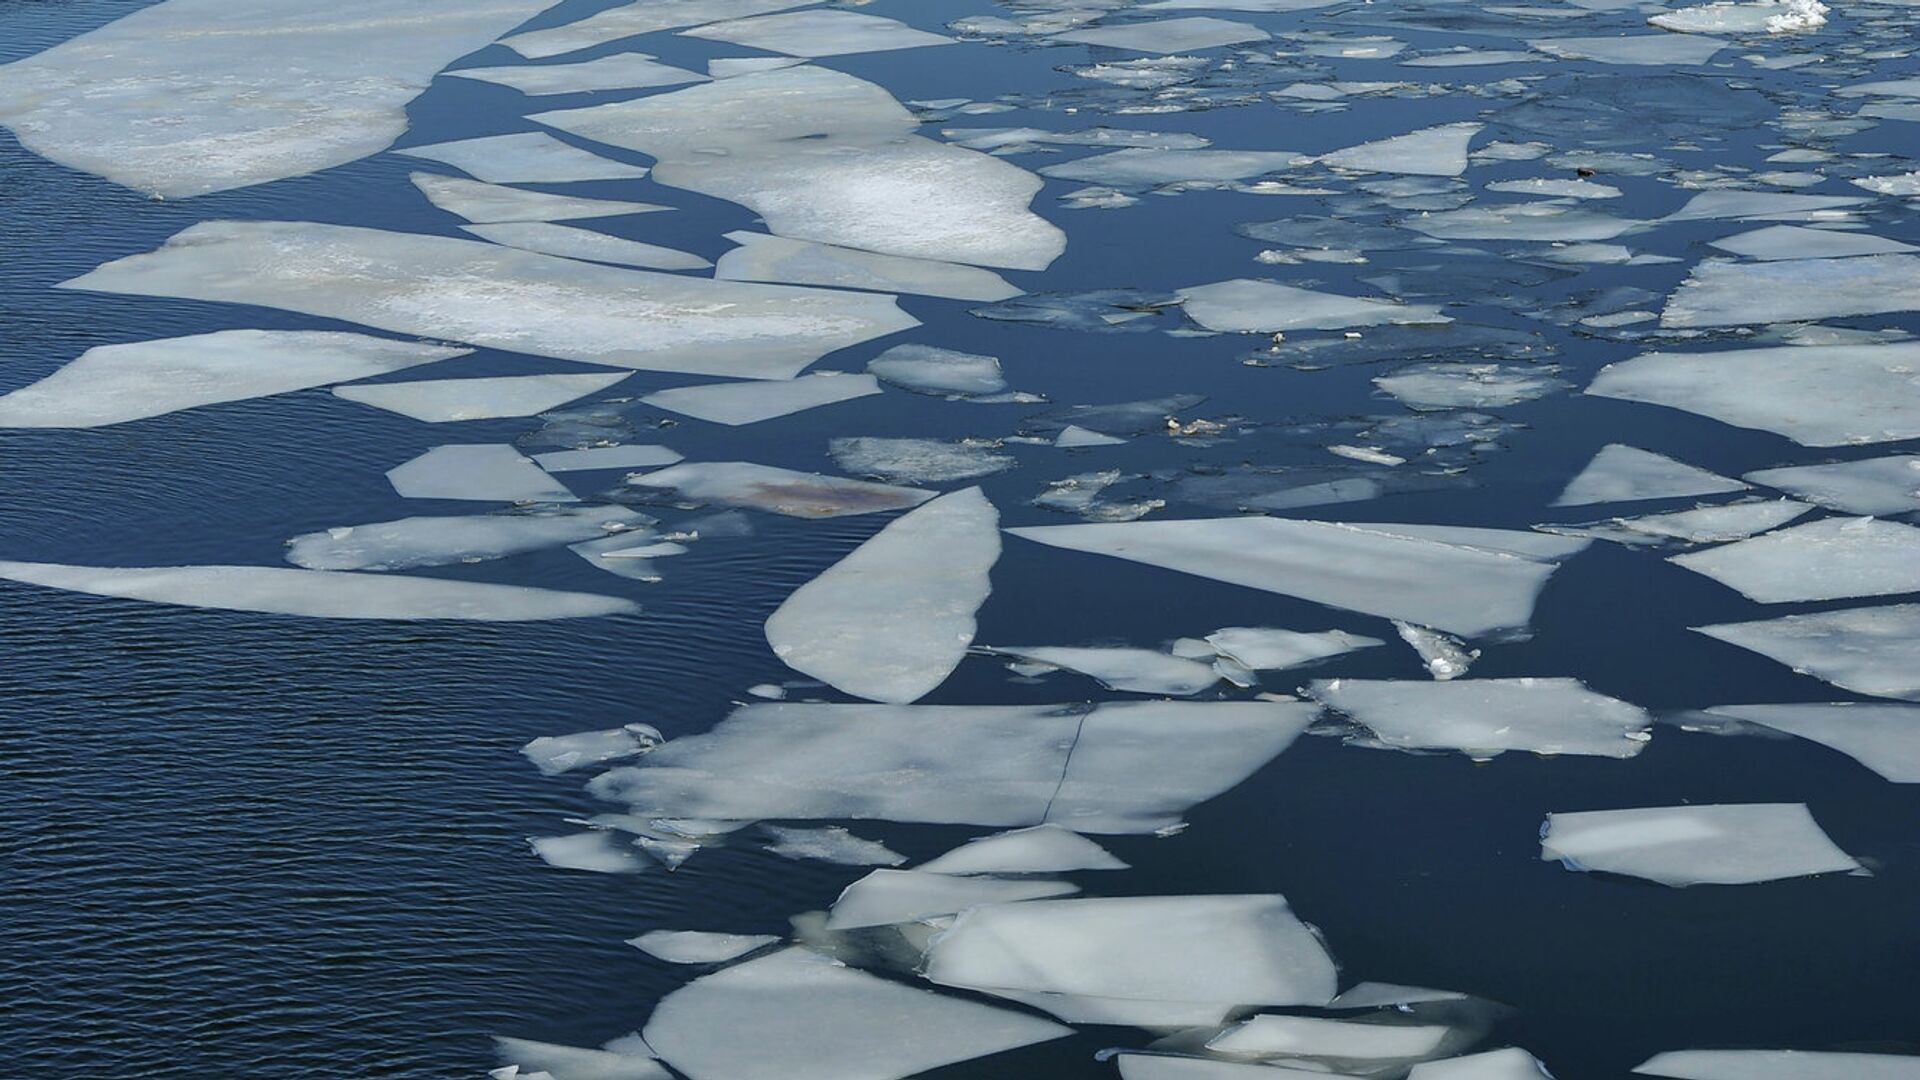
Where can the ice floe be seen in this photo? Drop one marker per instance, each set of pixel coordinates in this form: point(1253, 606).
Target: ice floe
point(917, 461)
point(1273, 1036)
point(437, 541)
point(1511, 1063)
point(1164, 36)
point(442, 401)
point(1467, 385)
point(1702, 525)
point(832, 844)
point(698, 947)
point(1726, 844)
point(1634, 49)
point(632, 19)
point(556, 754)
point(798, 262)
point(751, 402)
point(1779, 1065)
point(486, 203)
point(1721, 293)
point(575, 1062)
point(1535, 221)
point(885, 897)
point(928, 369)
point(1484, 717)
point(526, 157)
point(1149, 167)
point(1832, 559)
point(1620, 473)
point(1797, 242)
point(1872, 486)
point(819, 32)
point(1436, 151)
point(780, 491)
point(1883, 737)
point(1442, 656)
point(571, 243)
point(606, 457)
point(621, 71)
point(1140, 671)
point(1872, 650)
point(1265, 649)
point(1040, 849)
point(1765, 17)
point(1252, 306)
point(490, 472)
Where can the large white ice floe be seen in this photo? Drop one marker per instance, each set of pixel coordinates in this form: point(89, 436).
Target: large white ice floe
point(893, 619)
point(437, 541)
point(1435, 151)
point(1484, 717)
point(316, 593)
point(1831, 559)
point(1715, 844)
point(826, 157)
point(1274, 1036)
point(1259, 648)
point(781, 491)
point(1883, 737)
point(188, 97)
point(1152, 166)
point(819, 32)
point(1816, 395)
point(761, 257)
point(577, 1062)
point(928, 369)
point(1872, 650)
point(1120, 768)
point(1721, 293)
point(1878, 486)
point(1464, 581)
point(1620, 473)
point(569, 242)
point(632, 19)
point(441, 401)
point(886, 897)
point(698, 946)
point(526, 157)
point(113, 384)
point(621, 71)
point(1511, 1063)
point(1776, 242)
point(1764, 17)
point(1779, 1065)
point(1164, 36)
point(751, 402)
point(795, 1015)
point(478, 201)
point(1250, 305)
point(1039, 849)
point(1635, 49)
point(1139, 671)
point(484, 294)
point(489, 472)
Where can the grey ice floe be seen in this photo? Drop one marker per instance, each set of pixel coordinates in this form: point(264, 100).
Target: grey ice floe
point(575, 1062)
point(1763, 206)
point(1267, 649)
point(438, 541)
point(488, 295)
point(1139, 671)
point(317, 594)
point(621, 71)
point(1883, 737)
point(1875, 486)
point(1472, 58)
point(441, 401)
point(832, 844)
point(594, 851)
point(1150, 167)
point(761, 257)
point(886, 897)
point(556, 754)
point(1038, 849)
point(1831, 559)
point(1469, 385)
point(1779, 1065)
point(194, 96)
point(1535, 221)
point(1816, 395)
point(478, 201)
point(632, 19)
point(780, 491)
point(698, 947)
point(1777, 242)
point(796, 1015)
point(1253, 306)
point(1620, 473)
point(1075, 437)
point(1723, 293)
point(1165, 36)
point(1485, 717)
point(486, 472)
point(928, 369)
point(917, 461)
point(115, 384)
point(1556, 189)
point(1435, 151)
point(1274, 1036)
point(1723, 844)
point(568, 242)
point(1511, 1063)
point(1872, 650)
point(526, 157)
point(735, 404)
point(893, 619)
point(819, 32)
point(606, 457)
point(1634, 49)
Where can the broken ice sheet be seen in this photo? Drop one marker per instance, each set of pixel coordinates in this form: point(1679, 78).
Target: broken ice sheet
point(761, 257)
point(1636, 49)
point(1466, 385)
point(606, 457)
point(556, 754)
point(1075, 437)
point(1266, 649)
point(1724, 293)
point(1872, 650)
point(891, 620)
point(1872, 486)
point(1039, 849)
point(486, 472)
point(795, 1015)
point(1252, 306)
point(927, 369)
point(568, 242)
point(1166, 36)
point(751, 402)
point(819, 32)
point(1883, 737)
point(780, 491)
point(1831, 559)
point(440, 401)
point(114, 384)
point(1726, 844)
point(1081, 495)
point(1140, 671)
point(1562, 189)
point(632, 19)
point(620, 71)
point(886, 897)
point(527, 157)
point(917, 461)
point(1436, 151)
point(575, 1062)
point(1150, 167)
point(1274, 1036)
point(438, 541)
point(832, 844)
point(1779, 1065)
point(482, 202)
point(698, 947)
point(1777, 242)
point(1621, 473)
point(1536, 221)
point(1485, 717)
point(1761, 206)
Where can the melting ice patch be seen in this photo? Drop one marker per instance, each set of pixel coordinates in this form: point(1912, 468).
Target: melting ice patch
point(1779, 1065)
point(482, 202)
point(917, 461)
point(441, 401)
point(781, 491)
point(1723, 293)
point(487, 472)
point(1151, 167)
point(1252, 306)
point(1621, 473)
point(606, 457)
point(798, 262)
point(1883, 737)
point(749, 403)
point(1873, 486)
point(575, 1062)
point(1484, 717)
point(527, 157)
point(1696, 845)
point(1832, 559)
point(1464, 385)
point(1874, 650)
point(1266, 649)
point(556, 754)
point(832, 844)
point(1777, 242)
point(928, 369)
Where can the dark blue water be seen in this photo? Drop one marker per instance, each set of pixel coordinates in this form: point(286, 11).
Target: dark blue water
point(236, 845)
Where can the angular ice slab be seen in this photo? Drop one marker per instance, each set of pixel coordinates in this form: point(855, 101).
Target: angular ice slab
point(1306, 1036)
point(1816, 395)
point(317, 594)
point(1874, 650)
point(443, 401)
point(577, 1062)
point(1759, 205)
point(1435, 151)
point(484, 294)
point(886, 897)
point(113, 384)
point(1703, 525)
point(1122, 768)
point(621, 71)
point(819, 32)
point(1728, 844)
point(1242, 950)
point(1249, 305)
point(527, 157)
point(751, 402)
point(632, 19)
point(796, 1015)
point(1265, 649)
point(832, 844)
point(188, 97)
point(1777, 242)
point(1779, 1065)
point(568, 242)
point(485, 203)
point(826, 157)
point(606, 457)
point(798, 262)
point(1735, 294)
point(1876, 486)
point(927, 369)
point(781, 491)
point(1167, 35)
point(1452, 580)
point(1637, 49)
point(1831, 559)
point(1511, 1063)
point(1884, 738)
point(698, 947)
point(437, 541)
point(1621, 473)
point(1139, 671)
point(1150, 167)
point(893, 619)
point(1484, 717)
point(1041, 849)
point(489, 472)
point(1535, 221)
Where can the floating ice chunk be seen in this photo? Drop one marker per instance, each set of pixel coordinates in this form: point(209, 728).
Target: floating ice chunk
point(1759, 205)
point(927, 369)
point(1640, 49)
point(917, 461)
point(1169, 1067)
point(698, 947)
point(1874, 650)
point(1372, 995)
point(1422, 579)
point(1696, 845)
point(500, 297)
point(781, 491)
point(615, 554)
point(1779, 1065)
point(1080, 494)
point(749, 403)
point(1243, 949)
point(578, 1063)
point(555, 754)
point(632, 19)
point(1269, 1035)
point(1539, 221)
point(1264, 649)
point(1139, 671)
point(317, 594)
point(1165, 36)
point(1873, 486)
point(1027, 139)
point(819, 32)
point(571, 243)
point(1831, 559)
point(1884, 738)
point(1484, 717)
point(1621, 473)
point(885, 897)
point(1075, 437)
point(1466, 385)
point(594, 851)
point(621, 71)
point(832, 844)
point(113, 384)
point(1907, 184)
point(484, 472)
point(1703, 525)
point(1149, 167)
point(1816, 395)
point(193, 96)
point(526, 157)
point(795, 1015)
point(797, 262)
point(437, 541)
point(1511, 1063)
point(1252, 306)
point(893, 619)
point(1041, 849)
point(475, 200)
point(440, 401)
point(1733, 294)
point(1435, 151)
point(606, 457)
point(1794, 242)
point(1444, 657)
point(1768, 17)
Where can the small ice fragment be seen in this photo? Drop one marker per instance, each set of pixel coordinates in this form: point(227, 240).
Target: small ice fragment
point(1621, 473)
point(1373, 995)
point(1640, 49)
point(927, 369)
point(1075, 437)
point(405, 543)
point(1165, 36)
point(1779, 1065)
point(819, 32)
point(1039, 849)
point(576, 1063)
point(1727, 844)
point(620, 71)
point(1168, 1067)
point(606, 457)
point(595, 851)
point(632, 19)
point(569, 242)
point(1796, 242)
point(1435, 151)
point(1443, 656)
point(1872, 486)
point(698, 947)
point(478, 201)
point(440, 401)
point(781, 491)
point(917, 461)
point(1251, 306)
point(487, 472)
point(1270, 1035)
point(528, 157)
point(1139, 167)
point(555, 754)
point(740, 403)
point(798, 262)
point(1485, 717)
point(886, 897)
point(1140, 671)
point(832, 844)
point(1469, 385)
point(1265, 649)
